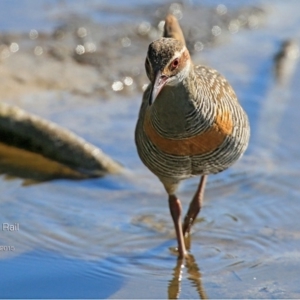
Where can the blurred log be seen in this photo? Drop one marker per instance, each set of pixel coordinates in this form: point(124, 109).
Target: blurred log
point(285, 61)
point(32, 167)
point(21, 129)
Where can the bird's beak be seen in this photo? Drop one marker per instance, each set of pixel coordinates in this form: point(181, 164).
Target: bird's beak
point(159, 83)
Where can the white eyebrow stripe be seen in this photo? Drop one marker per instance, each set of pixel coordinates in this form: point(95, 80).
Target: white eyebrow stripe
point(178, 53)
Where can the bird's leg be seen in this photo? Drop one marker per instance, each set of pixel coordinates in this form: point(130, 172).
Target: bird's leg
point(175, 209)
point(195, 206)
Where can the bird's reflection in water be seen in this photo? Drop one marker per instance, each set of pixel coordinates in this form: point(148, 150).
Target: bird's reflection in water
point(194, 276)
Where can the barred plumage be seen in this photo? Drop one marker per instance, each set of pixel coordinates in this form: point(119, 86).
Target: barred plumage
point(202, 109)
point(190, 123)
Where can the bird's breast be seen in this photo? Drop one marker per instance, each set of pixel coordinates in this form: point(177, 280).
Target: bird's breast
point(169, 127)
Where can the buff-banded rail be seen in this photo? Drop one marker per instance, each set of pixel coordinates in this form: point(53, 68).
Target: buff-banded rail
point(190, 123)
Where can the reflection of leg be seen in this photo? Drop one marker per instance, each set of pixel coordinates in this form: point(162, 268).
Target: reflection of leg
point(195, 276)
point(195, 206)
point(174, 285)
point(175, 210)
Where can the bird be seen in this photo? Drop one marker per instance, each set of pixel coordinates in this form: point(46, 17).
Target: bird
point(190, 124)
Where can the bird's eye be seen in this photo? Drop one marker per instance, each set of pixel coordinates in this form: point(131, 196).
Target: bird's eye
point(174, 64)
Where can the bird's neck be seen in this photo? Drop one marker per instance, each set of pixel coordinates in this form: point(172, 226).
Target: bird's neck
point(173, 110)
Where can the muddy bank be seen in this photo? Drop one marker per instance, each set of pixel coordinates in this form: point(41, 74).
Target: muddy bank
point(107, 59)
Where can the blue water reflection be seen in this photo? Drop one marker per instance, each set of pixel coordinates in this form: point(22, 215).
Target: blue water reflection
point(39, 274)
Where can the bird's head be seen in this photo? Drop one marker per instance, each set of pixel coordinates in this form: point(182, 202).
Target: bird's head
point(167, 63)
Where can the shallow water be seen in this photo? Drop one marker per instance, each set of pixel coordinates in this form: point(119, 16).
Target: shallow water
point(113, 237)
